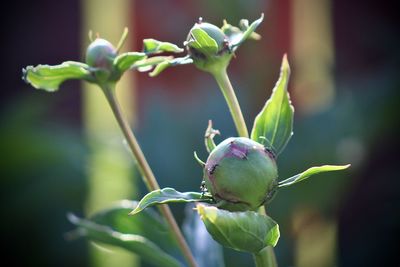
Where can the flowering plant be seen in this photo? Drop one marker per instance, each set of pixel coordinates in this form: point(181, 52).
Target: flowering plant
point(240, 175)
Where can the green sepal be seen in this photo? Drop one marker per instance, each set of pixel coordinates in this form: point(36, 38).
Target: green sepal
point(196, 157)
point(127, 60)
point(234, 34)
point(246, 231)
point(209, 137)
point(121, 41)
point(202, 42)
point(273, 126)
point(309, 172)
point(236, 38)
point(152, 46)
point(169, 195)
point(49, 78)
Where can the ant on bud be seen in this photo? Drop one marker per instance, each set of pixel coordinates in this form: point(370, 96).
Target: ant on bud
point(203, 188)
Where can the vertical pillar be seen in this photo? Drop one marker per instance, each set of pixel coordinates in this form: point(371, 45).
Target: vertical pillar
point(110, 165)
point(312, 59)
point(312, 54)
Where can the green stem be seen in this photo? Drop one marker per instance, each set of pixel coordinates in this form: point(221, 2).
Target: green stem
point(145, 170)
point(266, 257)
point(227, 90)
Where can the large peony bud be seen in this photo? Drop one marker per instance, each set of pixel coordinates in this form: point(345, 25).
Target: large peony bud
point(241, 174)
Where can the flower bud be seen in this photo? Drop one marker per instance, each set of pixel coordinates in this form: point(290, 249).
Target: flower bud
point(206, 56)
point(214, 32)
point(100, 54)
point(241, 174)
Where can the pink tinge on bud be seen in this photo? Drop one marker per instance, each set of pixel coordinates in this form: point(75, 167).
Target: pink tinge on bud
point(237, 151)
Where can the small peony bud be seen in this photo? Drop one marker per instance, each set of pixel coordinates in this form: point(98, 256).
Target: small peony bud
point(101, 54)
point(214, 32)
point(209, 56)
point(241, 174)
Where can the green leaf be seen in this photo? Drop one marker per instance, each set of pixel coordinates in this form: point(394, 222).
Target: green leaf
point(140, 245)
point(148, 64)
point(146, 234)
point(170, 63)
point(244, 231)
point(235, 34)
point(206, 251)
point(311, 171)
point(209, 137)
point(169, 195)
point(273, 126)
point(148, 224)
point(202, 42)
point(247, 33)
point(49, 78)
point(152, 46)
point(160, 68)
point(125, 61)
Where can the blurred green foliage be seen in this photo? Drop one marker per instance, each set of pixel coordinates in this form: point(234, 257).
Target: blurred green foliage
point(42, 177)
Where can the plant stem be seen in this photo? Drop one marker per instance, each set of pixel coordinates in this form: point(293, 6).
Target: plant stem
point(145, 170)
point(227, 90)
point(266, 257)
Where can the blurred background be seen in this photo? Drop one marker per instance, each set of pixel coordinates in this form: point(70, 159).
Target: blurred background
point(63, 152)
